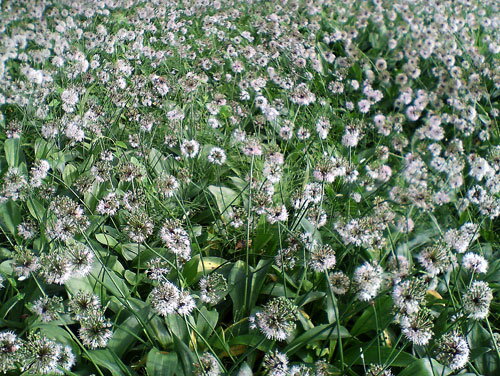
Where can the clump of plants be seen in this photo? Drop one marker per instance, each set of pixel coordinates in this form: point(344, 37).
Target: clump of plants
point(249, 187)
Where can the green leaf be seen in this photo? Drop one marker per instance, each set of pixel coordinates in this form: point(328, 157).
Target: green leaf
point(125, 335)
point(190, 270)
point(318, 333)
point(479, 351)
point(311, 229)
point(245, 370)
point(373, 38)
point(121, 144)
point(258, 279)
point(186, 356)
point(43, 148)
point(9, 304)
point(479, 337)
point(157, 161)
point(36, 209)
point(177, 326)
point(161, 363)
point(70, 174)
point(225, 112)
point(367, 321)
point(160, 331)
point(109, 360)
point(56, 333)
point(75, 284)
point(371, 355)
point(198, 266)
point(310, 297)
point(423, 367)
point(130, 251)
point(207, 321)
point(10, 216)
point(266, 238)
point(106, 240)
point(252, 341)
point(54, 102)
point(224, 197)
point(12, 147)
point(239, 183)
point(114, 284)
point(237, 282)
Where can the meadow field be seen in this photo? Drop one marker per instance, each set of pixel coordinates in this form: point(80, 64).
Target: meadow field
point(249, 187)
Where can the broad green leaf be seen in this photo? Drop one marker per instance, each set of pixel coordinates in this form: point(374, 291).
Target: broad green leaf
point(208, 264)
point(207, 322)
point(125, 335)
point(371, 355)
point(12, 148)
point(161, 363)
point(107, 240)
point(258, 279)
point(10, 216)
point(112, 282)
point(245, 370)
point(310, 229)
point(75, 284)
point(479, 351)
point(310, 297)
point(367, 320)
point(224, 197)
point(236, 282)
point(239, 183)
point(266, 238)
point(199, 266)
point(479, 337)
point(277, 289)
point(157, 161)
point(373, 38)
point(70, 174)
point(186, 356)
point(190, 270)
point(36, 209)
point(331, 307)
point(252, 341)
point(42, 148)
point(177, 326)
point(159, 330)
point(318, 333)
point(424, 367)
point(130, 251)
point(108, 359)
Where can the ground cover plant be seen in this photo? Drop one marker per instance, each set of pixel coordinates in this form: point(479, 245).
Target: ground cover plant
point(249, 187)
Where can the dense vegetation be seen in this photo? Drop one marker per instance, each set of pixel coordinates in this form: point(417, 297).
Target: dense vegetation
point(234, 187)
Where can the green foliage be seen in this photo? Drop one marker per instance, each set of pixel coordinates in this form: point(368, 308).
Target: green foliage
point(249, 188)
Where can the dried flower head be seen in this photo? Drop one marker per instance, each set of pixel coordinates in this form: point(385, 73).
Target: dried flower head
point(176, 239)
point(417, 327)
point(213, 288)
point(477, 300)
point(208, 365)
point(95, 331)
point(453, 350)
point(368, 280)
point(277, 319)
point(339, 282)
point(322, 258)
point(276, 364)
point(10, 351)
